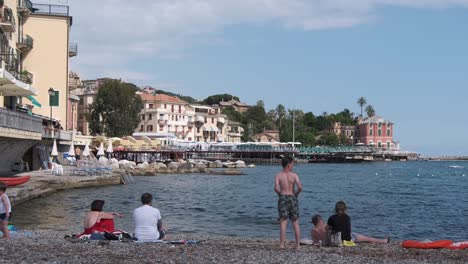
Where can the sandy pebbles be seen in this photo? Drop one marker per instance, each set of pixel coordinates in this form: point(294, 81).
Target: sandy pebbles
point(50, 247)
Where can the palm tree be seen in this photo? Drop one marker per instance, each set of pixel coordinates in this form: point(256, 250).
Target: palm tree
point(370, 111)
point(362, 102)
point(280, 114)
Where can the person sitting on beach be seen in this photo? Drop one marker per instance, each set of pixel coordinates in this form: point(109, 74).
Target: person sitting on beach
point(97, 221)
point(148, 223)
point(288, 186)
point(341, 222)
point(5, 211)
point(319, 232)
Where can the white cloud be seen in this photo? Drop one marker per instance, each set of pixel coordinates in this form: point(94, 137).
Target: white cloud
point(111, 33)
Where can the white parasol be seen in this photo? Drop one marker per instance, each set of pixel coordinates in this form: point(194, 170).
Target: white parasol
point(71, 152)
point(109, 146)
point(101, 150)
point(54, 152)
point(86, 150)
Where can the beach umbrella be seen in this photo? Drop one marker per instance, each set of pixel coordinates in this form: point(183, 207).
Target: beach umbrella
point(54, 152)
point(86, 150)
point(71, 152)
point(101, 150)
point(109, 146)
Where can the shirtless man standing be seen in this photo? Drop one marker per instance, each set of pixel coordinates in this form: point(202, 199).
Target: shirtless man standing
point(288, 186)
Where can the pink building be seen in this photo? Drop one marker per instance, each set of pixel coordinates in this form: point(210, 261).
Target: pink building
point(72, 112)
point(376, 131)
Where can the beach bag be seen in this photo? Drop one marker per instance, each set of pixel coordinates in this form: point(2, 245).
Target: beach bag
point(334, 239)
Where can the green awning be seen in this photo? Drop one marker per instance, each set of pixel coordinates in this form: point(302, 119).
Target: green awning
point(34, 101)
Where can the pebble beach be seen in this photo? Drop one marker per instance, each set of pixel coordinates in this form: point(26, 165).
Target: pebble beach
point(51, 247)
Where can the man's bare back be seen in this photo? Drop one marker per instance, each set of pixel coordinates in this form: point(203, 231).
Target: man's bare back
point(285, 183)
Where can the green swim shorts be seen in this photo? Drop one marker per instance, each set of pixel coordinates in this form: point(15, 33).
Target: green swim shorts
point(288, 207)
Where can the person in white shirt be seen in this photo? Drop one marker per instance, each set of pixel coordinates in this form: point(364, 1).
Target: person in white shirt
point(148, 223)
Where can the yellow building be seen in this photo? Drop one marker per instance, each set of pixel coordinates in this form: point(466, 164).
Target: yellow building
point(47, 60)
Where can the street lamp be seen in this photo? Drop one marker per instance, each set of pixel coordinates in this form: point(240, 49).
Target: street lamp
point(51, 93)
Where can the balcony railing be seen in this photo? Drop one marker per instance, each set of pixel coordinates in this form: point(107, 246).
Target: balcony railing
point(25, 77)
point(25, 6)
point(20, 121)
point(25, 42)
point(72, 49)
point(7, 19)
point(48, 133)
point(52, 10)
point(11, 62)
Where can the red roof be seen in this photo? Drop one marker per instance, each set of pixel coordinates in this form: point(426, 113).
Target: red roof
point(161, 98)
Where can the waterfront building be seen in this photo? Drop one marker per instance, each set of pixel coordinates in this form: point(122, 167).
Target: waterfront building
point(234, 132)
point(86, 91)
point(47, 26)
point(166, 114)
point(238, 106)
point(34, 54)
point(376, 131)
point(270, 136)
point(210, 124)
point(344, 131)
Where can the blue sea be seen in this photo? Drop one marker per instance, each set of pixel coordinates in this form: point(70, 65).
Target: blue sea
point(403, 200)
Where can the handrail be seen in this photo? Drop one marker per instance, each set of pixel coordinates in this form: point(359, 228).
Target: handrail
point(47, 9)
point(20, 121)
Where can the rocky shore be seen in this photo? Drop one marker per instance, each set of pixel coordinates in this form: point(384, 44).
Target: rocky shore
point(50, 247)
point(43, 183)
point(174, 167)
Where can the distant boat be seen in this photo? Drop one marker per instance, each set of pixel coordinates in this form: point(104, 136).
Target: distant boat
point(456, 167)
point(13, 181)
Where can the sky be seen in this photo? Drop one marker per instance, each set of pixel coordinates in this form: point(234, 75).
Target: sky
point(408, 58)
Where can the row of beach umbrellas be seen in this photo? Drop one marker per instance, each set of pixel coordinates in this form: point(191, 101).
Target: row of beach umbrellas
point(85, 153)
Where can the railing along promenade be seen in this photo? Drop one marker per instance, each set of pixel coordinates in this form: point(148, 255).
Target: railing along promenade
point(20, 121)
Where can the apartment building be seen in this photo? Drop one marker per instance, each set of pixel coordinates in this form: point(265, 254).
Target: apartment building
point(166, 115)
point(33, 59)
point(86, 91)
point(210, 124)
point(234, 132)
point(44, 51)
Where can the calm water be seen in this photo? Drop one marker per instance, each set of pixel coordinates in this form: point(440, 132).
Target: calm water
point(417, 200)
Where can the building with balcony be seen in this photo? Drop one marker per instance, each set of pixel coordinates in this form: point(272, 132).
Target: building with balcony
point(377, 132)
point(234, 132)
point(43, 41)
point(165, 115)
point(210, 124)
point(86, 91)
point(34, 57)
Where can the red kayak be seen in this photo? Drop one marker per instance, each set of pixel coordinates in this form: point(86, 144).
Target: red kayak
point(13, 181)
point(428, 244)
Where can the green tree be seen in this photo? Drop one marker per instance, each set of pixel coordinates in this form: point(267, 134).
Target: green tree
point(115, 110)
point(370, 111)
point(215, 99)
point(362, 102)
point(280, 115)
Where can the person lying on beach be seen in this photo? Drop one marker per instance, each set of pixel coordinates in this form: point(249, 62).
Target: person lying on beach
point(288, 186)
point(148, 223)
point(341, 222)
point(318, 233)
point(96, 220)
